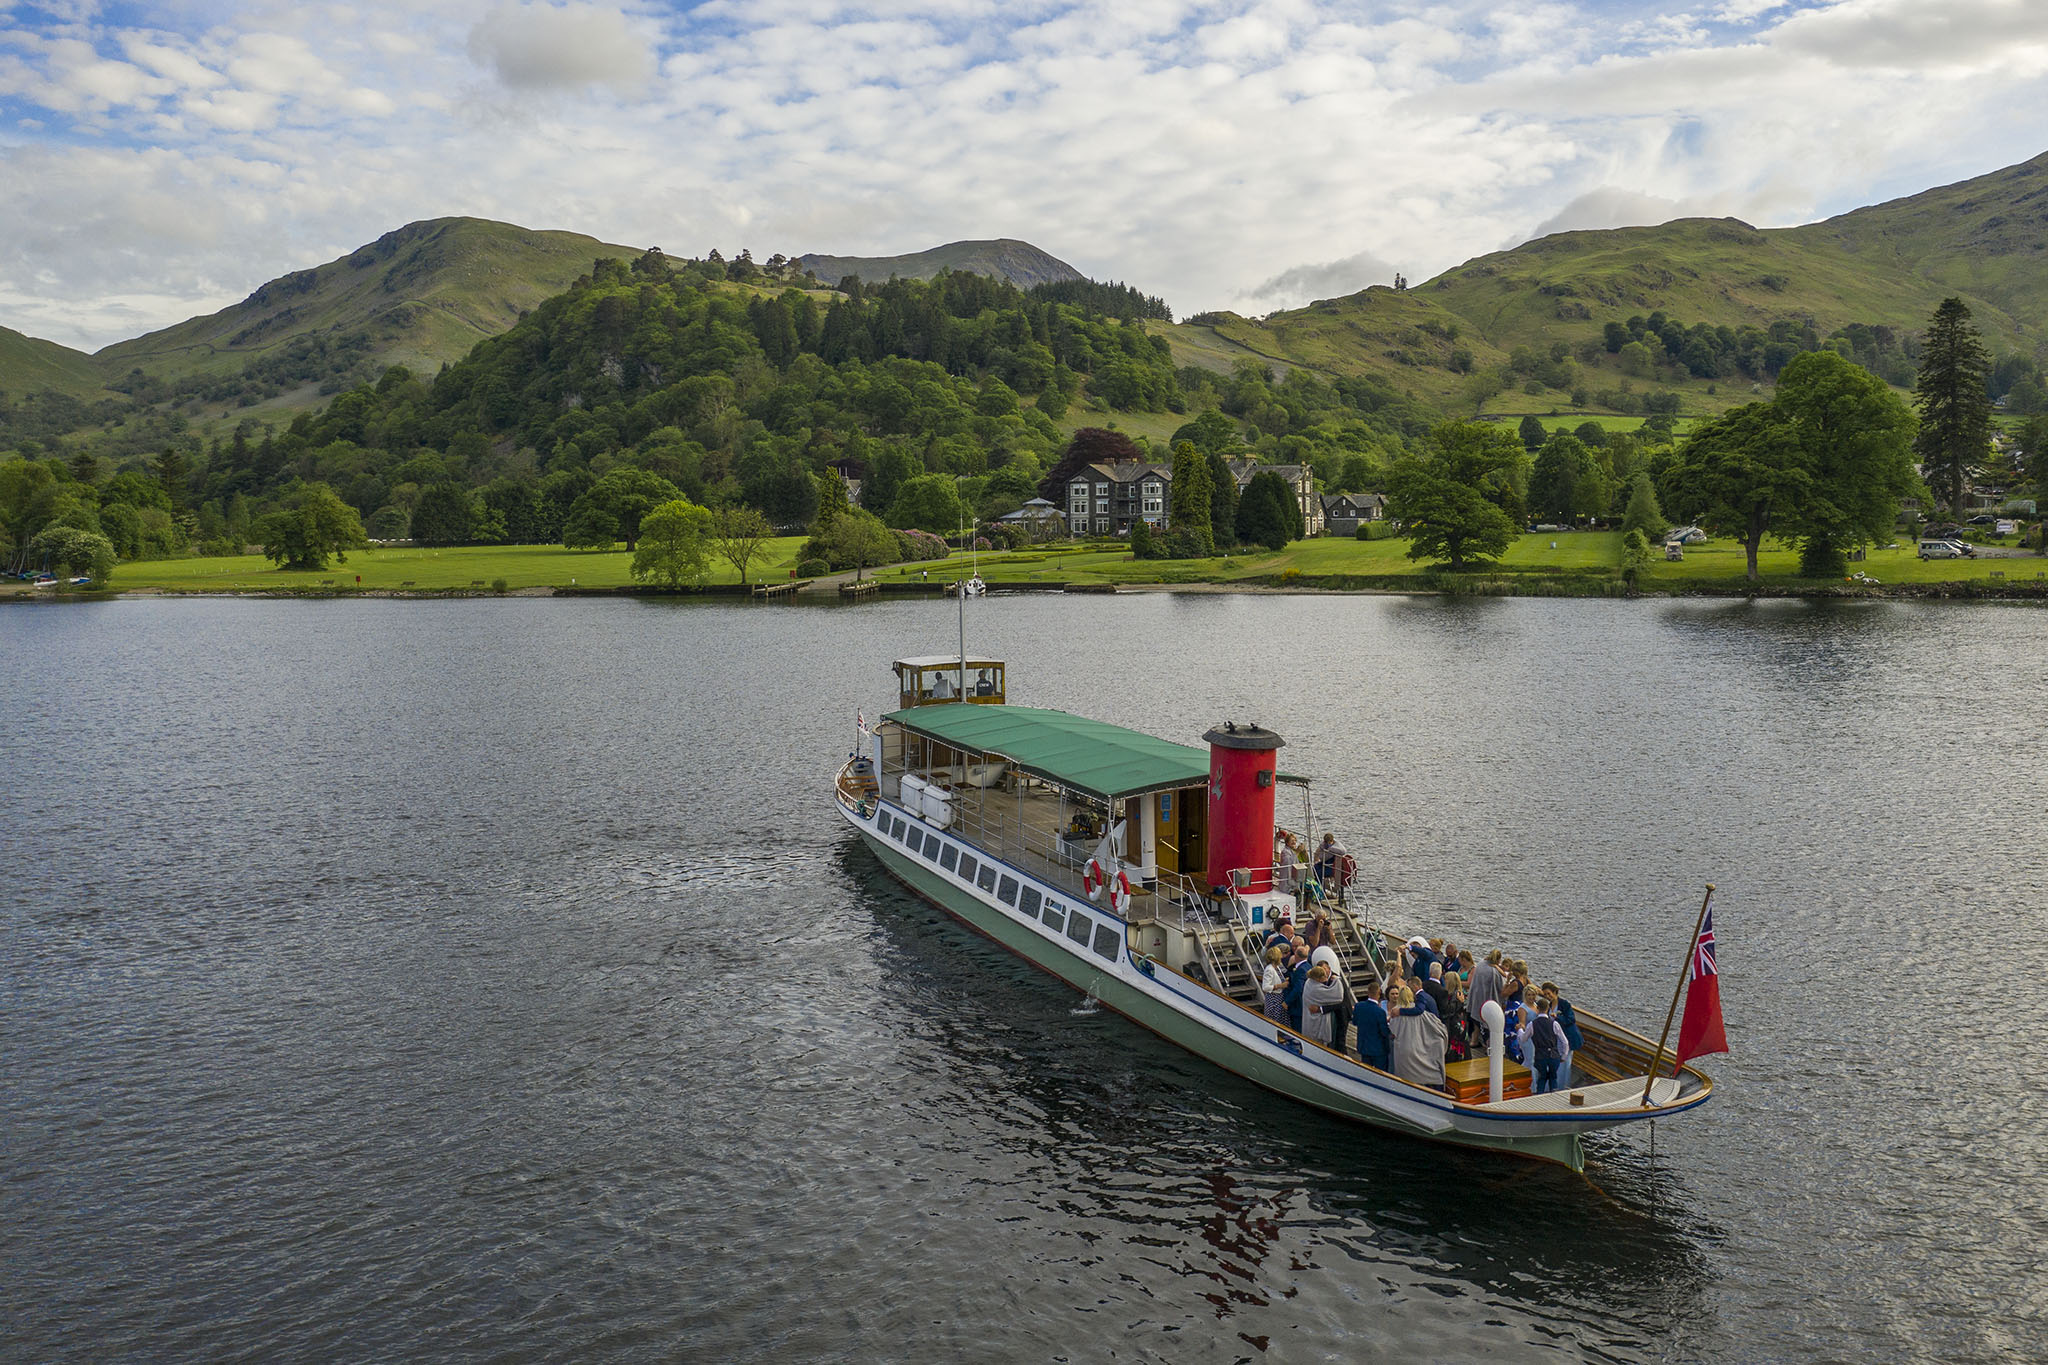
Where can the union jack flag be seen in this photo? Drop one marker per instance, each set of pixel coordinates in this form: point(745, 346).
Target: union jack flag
point(1702, 1031)
point(1703, 950)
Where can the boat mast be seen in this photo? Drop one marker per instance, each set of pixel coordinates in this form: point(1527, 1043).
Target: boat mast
point(1691, 946)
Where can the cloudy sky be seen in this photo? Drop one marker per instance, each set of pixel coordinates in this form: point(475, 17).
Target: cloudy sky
point(162, 160)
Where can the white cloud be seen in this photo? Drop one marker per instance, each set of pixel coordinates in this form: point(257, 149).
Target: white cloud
point(1193, 148)
point(1332, 279)
point(540, 46)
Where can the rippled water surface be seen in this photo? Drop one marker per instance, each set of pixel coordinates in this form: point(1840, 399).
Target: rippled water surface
point(444, 980)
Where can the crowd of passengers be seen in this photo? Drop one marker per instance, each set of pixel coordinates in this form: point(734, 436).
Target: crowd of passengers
point(1425, 1013)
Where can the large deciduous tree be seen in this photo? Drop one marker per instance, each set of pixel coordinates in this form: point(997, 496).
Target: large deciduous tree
point(1449, 499)
point(80, 552)
point(1855, 441)
point(311, 524)
point(443, 516)
point(1955, 410)
point(672, 545)
point(1740, 470)
point(929, 502)
point(858, 539)
point(623, 495)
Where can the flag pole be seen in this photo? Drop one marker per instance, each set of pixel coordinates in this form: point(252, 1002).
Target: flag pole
point(1692, 946)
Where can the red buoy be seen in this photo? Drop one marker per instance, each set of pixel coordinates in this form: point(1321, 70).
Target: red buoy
point(1241, 780)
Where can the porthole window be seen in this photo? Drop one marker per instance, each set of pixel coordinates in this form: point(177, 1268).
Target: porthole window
point(1030, 901)
point(1078, 926)
point(1105, 942)
point(1007, 892)
point(949, 857)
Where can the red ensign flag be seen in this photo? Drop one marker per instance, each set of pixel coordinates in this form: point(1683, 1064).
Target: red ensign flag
point(1700, 1032)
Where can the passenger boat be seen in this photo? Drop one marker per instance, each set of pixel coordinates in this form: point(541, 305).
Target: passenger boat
point(1143, 872)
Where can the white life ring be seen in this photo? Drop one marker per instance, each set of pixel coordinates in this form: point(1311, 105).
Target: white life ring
point(1093, 879)
point(1120, 892)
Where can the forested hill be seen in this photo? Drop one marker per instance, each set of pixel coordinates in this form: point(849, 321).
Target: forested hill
point(416, 296)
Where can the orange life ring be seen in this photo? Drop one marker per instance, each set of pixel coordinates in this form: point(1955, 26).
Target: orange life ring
point(1093, 879)
point(1120, 892)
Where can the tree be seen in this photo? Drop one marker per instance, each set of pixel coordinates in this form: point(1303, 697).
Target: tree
point(859, 539)
point(740, 536)
point(1643, 513)
point(173, 471)
point(1449, 499)
point(1561, 465)
point(672, 543)
point(311, 524)
point(1741, 468)
point(1855, 441)
point(1142, 544)
point(1192, 501)
point(929, 502)
point(442, 516)
point(791, 497)
point(79, 552)
point(1089, 445)
point(1222, 500)
point(624, 495)
point(1635, 557)
point(1533, 433)
point(1955, 413)
point(1262, 511)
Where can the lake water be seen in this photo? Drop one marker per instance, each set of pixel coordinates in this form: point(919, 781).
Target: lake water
point(493, 979)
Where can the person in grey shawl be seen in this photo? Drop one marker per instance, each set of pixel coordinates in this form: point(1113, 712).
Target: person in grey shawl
point(1321, 995)
point(1419, 1039)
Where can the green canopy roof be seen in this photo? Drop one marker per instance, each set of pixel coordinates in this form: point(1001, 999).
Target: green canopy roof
point(1090, 756)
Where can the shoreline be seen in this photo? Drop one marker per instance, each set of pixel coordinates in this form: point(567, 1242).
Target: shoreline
point(2030, 590)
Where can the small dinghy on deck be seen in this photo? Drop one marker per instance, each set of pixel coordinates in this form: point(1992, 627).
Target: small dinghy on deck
point(1143, 873)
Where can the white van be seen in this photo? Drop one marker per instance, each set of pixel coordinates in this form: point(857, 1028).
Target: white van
point(1941, 549)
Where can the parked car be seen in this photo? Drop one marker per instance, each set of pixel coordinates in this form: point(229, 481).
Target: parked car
point(1944, 549)
point(1674, 550)
point(1982, 519)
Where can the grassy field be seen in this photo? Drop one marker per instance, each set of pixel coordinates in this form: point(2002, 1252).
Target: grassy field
point(1718, 564)
point(471, 566)
point(1588, 557)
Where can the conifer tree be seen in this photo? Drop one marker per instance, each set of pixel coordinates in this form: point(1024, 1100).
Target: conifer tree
point(1643, 513)
point(1954, 407)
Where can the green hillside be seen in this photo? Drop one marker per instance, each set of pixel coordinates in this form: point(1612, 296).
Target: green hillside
point(417, 296)
point(1021, 263)
point(29, 365)
point(1985, 237)
point(1864, 283)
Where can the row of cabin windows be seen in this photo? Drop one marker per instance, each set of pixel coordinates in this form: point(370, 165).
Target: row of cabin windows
point(1080, 927)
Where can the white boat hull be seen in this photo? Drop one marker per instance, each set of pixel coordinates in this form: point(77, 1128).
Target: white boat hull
point(1087, 947)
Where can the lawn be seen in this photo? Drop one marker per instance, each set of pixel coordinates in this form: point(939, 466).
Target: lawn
point(469, 566)
point(1716, 565)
